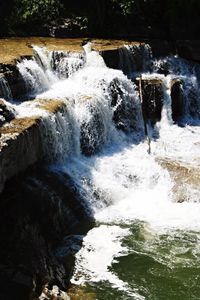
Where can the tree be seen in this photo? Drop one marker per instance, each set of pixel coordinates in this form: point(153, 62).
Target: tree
point(27, 11)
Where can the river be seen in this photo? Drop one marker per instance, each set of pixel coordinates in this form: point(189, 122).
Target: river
point(145, 202)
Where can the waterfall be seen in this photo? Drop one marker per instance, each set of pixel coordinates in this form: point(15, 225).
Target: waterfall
point(34, 77)
point(145, 206)
point(134, 58)
point(48, 67)
point(37, 72)
point(60, 135)
point(99, 101)
point(188, 73)
point(5, 91)
point(166, 116)
point(65, 64)
point(92, 94)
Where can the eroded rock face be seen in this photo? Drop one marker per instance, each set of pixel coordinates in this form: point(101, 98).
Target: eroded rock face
point(6, 113)
point(14, 79)
point(20, 147)
point(38, 209)
point(21, 141)
point(177, 100)
point(130, 58)
point(152, 101)
point(185, 177)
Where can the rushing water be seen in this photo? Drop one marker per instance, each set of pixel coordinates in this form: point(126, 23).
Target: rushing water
point(145, 244)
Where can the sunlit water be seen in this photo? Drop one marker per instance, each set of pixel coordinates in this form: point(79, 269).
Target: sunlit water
point(145, 244)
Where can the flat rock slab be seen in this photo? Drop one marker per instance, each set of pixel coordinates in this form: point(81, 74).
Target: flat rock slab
point(13, 48)
point(21, 141)
point(184, 176)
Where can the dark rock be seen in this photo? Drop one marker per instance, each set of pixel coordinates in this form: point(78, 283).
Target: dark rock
point(21, 139)
point(152, 100)
point(126, 111)
point(177, 100)
point(189, 49)
point(6, 114)
point(129, 60)
point(161, 47)
point(92, 132)
point(14, 79)
point(119, 113)
point(111, 58)
point(38, 209)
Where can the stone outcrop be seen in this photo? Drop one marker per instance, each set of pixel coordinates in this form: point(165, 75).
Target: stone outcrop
point(177, 100)
point(20, 147)
point(151, 94)
point(127, 59)
point(14, 80)
point(151, 91)
point(21, 142)
point(6, 114)
point(184, 175)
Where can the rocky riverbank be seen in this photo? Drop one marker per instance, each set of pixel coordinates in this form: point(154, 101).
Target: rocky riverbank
point(33, 224)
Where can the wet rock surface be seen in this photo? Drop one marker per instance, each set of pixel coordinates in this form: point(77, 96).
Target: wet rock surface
point(14, 80)
point(22, 138)
point(33, 223)
point(185, 176)
point(6, 113)
point(152, 96)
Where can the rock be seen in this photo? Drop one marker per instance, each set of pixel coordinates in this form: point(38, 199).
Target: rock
point(6, 113)
point(185, 176)
point(177, 100)
point(128, 59)
point(14, 79)
point(80, 292)
point(45, 207)
point(92, 131)
point(22, 138)
point(151, 98)
point(189, 49)
point(111, 58)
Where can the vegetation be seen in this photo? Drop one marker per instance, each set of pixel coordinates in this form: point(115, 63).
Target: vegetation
point(147, 18)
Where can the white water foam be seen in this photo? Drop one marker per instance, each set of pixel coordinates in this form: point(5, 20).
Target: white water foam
point(122, 184)
point(103, 242)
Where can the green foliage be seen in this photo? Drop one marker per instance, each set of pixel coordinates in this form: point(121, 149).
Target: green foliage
point(126, 6)
point(27, 11)
point(102, 17)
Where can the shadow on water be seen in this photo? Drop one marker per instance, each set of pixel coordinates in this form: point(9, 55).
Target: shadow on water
point(39, 209)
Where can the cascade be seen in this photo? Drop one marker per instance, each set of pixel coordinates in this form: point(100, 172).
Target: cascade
point(134, 58)
point(188, 74)
point(5, 91)
point(142, 220)
point(96, 96)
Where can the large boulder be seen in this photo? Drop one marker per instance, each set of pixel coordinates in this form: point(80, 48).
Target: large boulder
point(38, 209)
point(6, 113)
